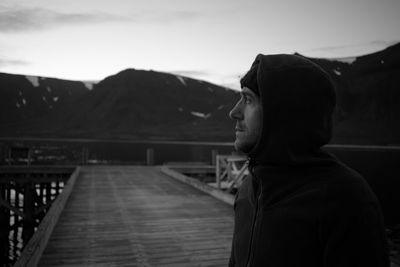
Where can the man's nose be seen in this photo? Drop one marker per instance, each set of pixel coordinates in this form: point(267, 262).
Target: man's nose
point(236, 112)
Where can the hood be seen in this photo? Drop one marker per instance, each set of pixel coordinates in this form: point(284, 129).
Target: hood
point(298, 99)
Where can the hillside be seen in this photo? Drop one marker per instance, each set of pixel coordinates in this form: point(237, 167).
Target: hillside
point(28, 97)
point(368, 104)
point(155, 105)
point(138, 104)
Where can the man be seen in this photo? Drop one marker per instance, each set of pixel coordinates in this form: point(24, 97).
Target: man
point(299, 206)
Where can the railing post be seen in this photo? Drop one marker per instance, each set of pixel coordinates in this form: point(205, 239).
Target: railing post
point(4, 225)
point(9, 156)
point(218, 171)
point(229, 171)
point(150, 156)
point(214, 154)
point(29, 212)
point(30, 152)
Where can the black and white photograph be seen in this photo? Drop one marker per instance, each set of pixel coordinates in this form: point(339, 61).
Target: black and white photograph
point(187, 133)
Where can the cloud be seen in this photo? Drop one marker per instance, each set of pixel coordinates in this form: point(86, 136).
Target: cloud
point(198, 74)
point(191, 73)
point(14, 62)
point(231, 81)
point(175, 16)
point(20, 19)
point(352, 50)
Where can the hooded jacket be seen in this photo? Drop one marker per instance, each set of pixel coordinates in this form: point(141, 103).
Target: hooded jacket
point(300, 206)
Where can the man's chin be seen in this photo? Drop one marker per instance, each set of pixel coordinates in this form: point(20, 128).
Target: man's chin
point(242, 147)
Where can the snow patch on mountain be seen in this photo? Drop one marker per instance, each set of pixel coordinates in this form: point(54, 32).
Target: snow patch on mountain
point(89, 85)
point(34, 80)
point(181, 79)
point(200, 115)
point(348, 60)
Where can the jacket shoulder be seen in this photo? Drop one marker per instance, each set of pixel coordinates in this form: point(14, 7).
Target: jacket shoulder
point(347, 187)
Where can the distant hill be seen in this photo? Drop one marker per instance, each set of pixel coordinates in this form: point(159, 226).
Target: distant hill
point(130, 104)
point(368, 90)
point(138, 104)
point(28, 97)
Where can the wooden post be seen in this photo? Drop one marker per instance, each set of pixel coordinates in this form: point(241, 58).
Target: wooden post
point(150, 156)
point(214, 154)
point(48, 192)
point(17, 206)
point(85, 155)
point(9, 156)
point(58, 190)
point(4, 226)
point(218, 171)
point(229, 171)
point(29, 160)
point(29, 212)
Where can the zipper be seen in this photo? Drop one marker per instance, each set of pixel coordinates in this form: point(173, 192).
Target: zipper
point(259, 193)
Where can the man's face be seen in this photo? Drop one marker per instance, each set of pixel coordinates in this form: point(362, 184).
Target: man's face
point(248, 116)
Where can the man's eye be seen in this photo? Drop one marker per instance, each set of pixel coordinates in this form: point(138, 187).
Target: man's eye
point(246, 100)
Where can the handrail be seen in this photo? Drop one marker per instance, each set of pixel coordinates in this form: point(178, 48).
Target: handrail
point(229, 170)
point(36, 168)
point(34, 248)
point(218, 194)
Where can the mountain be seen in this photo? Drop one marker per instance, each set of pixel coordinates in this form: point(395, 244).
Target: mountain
point(148, 104)
point(368, 97)
point(138, 104)
point(28, 97)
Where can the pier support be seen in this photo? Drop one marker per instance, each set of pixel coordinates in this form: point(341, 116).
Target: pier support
point(150, 156)
point(26, 195)
point(4, 226)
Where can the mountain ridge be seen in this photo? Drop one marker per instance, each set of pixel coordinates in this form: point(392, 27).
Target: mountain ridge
point(141, 104)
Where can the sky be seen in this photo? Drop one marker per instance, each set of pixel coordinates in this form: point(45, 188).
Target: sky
point(212, 40)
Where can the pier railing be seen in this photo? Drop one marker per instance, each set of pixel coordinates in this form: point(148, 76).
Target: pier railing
point(26, 195)
point(230, 170)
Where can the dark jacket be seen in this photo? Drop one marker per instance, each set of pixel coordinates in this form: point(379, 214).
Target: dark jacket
point(301, 206)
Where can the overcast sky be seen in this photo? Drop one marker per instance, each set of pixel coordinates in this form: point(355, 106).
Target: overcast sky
point(213, 40)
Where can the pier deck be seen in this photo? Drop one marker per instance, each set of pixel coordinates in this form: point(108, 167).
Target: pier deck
point(138, 216)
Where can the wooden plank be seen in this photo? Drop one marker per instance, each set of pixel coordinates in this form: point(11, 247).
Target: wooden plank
point(138, 216)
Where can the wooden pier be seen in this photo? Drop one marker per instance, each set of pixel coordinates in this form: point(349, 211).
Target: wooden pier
point(26, 195)
point(128, 216)
point(138, 216)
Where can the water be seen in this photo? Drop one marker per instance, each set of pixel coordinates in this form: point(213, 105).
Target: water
point(70, 151)
point(379, 165)
point(15, 238)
